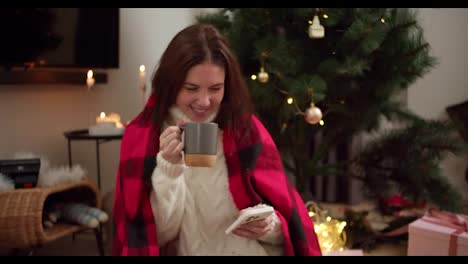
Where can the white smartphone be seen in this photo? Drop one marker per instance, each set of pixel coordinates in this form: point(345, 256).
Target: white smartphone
point(251, 214)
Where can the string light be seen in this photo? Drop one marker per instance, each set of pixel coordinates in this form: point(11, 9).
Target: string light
point(330, 232)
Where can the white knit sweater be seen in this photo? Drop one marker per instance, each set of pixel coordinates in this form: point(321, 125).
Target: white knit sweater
point(193, 206)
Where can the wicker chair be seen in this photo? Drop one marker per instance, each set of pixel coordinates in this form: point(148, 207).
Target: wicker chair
point(21, 214)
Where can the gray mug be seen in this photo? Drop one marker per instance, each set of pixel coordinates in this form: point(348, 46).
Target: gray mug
point(200, 144)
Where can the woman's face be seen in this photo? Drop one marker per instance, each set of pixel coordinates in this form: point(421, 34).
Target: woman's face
point(202, 92)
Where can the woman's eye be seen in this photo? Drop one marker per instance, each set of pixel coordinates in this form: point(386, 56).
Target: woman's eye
point(191, 88)
point(216, 88)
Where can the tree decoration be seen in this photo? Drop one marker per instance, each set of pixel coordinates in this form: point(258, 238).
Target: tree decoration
point(313, 114)
point(263, 75)
point(316, 30)
point(370, 55)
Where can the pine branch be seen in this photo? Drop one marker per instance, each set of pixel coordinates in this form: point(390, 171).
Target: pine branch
point(354, 73)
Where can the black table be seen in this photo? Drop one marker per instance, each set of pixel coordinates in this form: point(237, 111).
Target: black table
point(83, 134)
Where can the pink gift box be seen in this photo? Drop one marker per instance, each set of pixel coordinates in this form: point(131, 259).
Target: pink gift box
point(346, 252)
point(429, 237)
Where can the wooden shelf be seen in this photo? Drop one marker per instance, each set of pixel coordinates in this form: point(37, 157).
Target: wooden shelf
point(44, 76)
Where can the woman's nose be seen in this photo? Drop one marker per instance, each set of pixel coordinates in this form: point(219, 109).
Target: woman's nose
point(204, 99)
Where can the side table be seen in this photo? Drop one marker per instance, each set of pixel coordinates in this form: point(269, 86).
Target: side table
point(83, 134)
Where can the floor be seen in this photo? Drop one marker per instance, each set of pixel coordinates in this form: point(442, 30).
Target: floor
point(83, 244)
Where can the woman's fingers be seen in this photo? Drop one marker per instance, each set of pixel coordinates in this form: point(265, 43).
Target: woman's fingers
point(170, 144)
point(255, 229)
point(251, 232)
point(178, 148)
point(169, 138)
point(244, 233)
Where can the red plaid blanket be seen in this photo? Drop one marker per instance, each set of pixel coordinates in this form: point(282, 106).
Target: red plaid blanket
point(256, 175)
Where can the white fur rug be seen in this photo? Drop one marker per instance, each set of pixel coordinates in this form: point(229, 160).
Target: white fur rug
point(48, 175)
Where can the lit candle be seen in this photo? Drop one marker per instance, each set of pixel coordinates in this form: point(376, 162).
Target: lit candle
point(112, 119)
point(107, 125)
point(142, 79)
point(102, 118)
point(90, 80)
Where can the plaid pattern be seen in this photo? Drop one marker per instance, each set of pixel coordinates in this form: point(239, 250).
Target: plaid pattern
point(255, 176)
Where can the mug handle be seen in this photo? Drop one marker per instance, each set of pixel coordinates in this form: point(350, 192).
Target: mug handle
point(182, 128)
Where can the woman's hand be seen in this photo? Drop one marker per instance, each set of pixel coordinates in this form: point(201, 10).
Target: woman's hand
point(256, 228)
point(170, 144)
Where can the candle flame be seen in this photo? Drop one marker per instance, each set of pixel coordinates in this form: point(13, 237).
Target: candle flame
point(142, 68)
point(102, 115)
point(90, 74)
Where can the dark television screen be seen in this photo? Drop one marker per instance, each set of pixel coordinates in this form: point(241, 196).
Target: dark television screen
point(59, 37)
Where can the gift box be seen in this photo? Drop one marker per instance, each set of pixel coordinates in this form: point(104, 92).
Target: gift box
point(346, 252)
point(438, 234)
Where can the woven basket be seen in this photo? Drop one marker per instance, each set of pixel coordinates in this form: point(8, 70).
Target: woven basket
point(21, 213)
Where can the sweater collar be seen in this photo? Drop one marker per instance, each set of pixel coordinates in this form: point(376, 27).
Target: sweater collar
point(176, 114)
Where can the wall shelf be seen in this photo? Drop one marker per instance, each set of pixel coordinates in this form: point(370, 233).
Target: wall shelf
point(44, 76)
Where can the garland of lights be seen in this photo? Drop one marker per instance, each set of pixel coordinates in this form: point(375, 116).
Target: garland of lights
point(330, 232)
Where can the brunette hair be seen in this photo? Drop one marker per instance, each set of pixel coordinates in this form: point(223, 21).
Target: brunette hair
point(194, 45)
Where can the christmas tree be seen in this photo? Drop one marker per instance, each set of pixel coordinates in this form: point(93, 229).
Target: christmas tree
point(321, 76)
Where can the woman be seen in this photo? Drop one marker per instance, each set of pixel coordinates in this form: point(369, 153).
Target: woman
point(163, 206)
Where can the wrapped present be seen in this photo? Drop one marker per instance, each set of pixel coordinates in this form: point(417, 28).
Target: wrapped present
point(438, 233)
point(345, 252)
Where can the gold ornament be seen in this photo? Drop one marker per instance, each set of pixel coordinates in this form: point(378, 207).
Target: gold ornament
point(330, 232)
point(313, 114)
point(263, 75)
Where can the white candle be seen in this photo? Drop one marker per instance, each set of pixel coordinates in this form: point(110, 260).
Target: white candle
point(142, 79)
point(113, 119)
point(101, 118)
point(107, 125)
point(90, 80)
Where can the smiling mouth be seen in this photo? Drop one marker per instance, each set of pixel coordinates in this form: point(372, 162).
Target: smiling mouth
point(200, 111)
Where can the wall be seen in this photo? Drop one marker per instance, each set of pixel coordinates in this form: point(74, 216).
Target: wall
point(447, 84)
point(34, 117)
point(444, 85)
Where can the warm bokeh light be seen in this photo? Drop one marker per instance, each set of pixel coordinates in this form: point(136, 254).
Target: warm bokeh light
point(330, 232)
